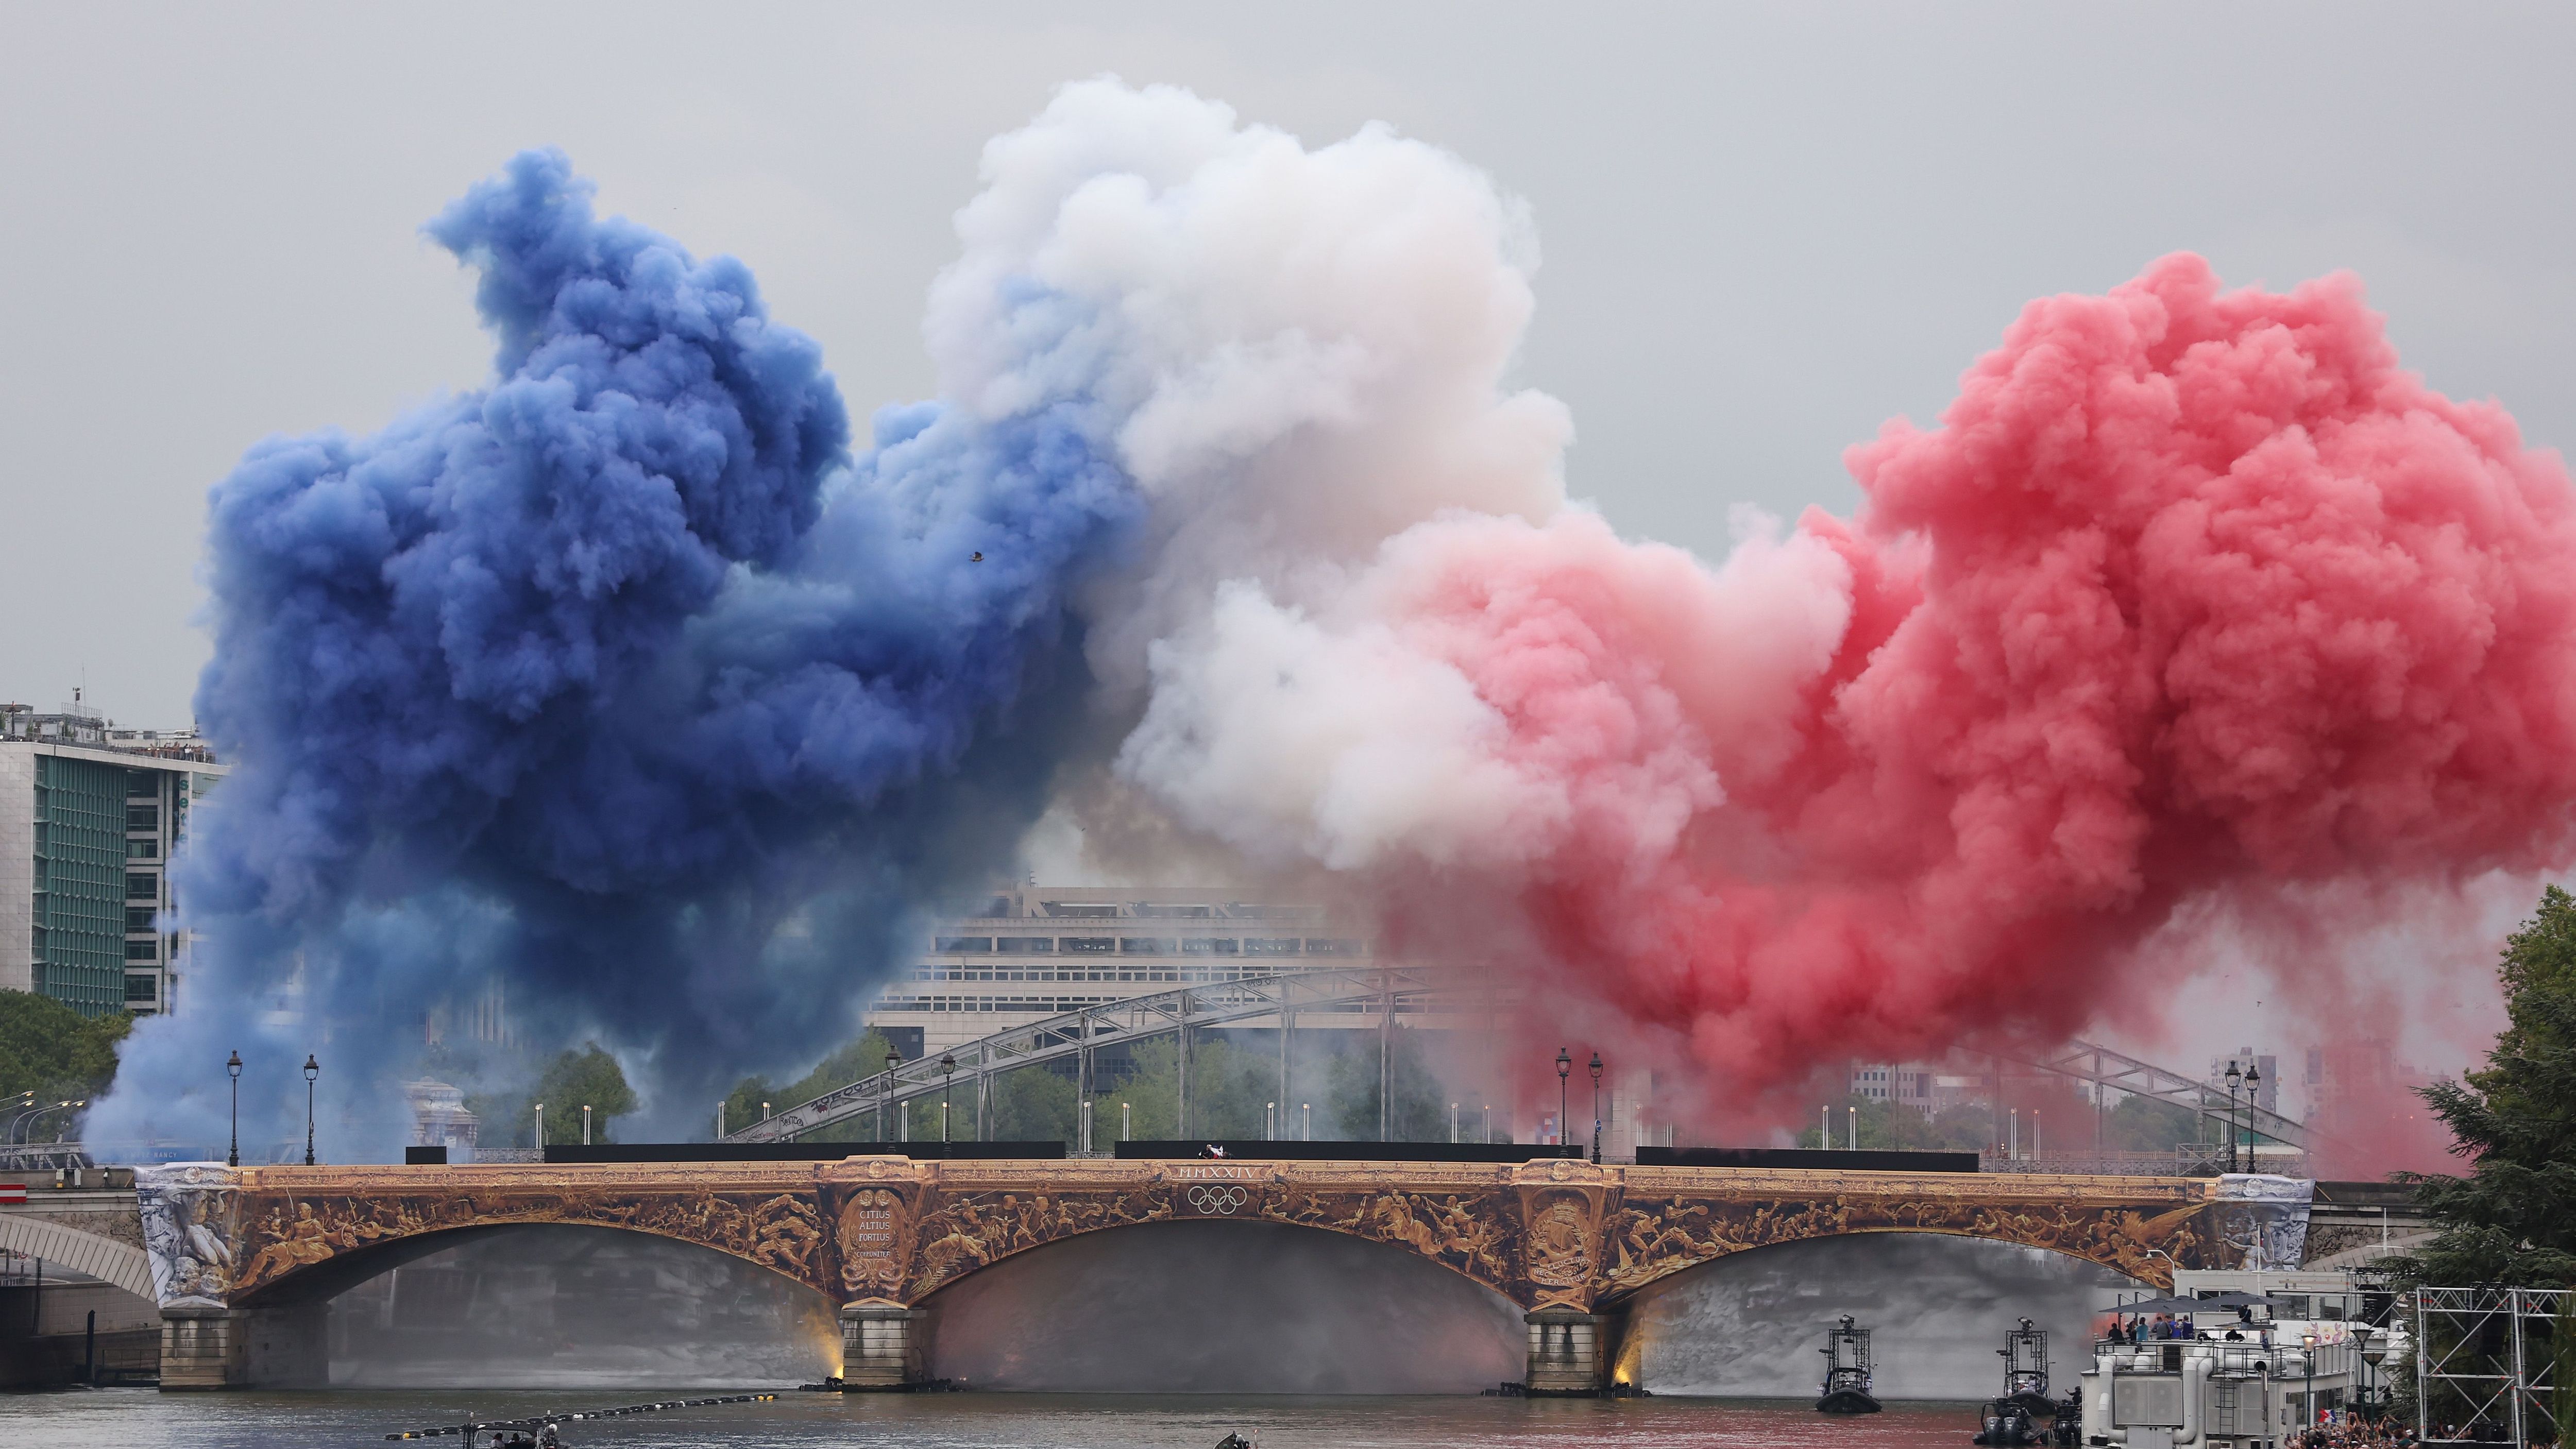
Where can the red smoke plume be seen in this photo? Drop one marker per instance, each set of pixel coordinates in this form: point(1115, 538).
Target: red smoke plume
point(2192, 591)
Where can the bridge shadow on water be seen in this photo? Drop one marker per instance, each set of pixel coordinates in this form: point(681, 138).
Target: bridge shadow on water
point(1224, 1307)
point(1194, 1306)
point(577, 1307)
point(1750, 1325)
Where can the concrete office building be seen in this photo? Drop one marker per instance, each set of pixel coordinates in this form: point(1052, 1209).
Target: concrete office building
point(1023, 953)
point(2266, 1093)
point(1908, 1084)
point(89, 814)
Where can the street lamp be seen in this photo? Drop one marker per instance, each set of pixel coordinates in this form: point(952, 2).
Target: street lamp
point(312, 1069)
point(2235, 1079)
point(233, 1066)
point(1564, 1069)
point(1596, 1106)
point(947, 1078)
point(2253, 1079)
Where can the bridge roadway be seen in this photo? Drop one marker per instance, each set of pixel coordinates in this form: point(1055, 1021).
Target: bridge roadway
point(243, 1259)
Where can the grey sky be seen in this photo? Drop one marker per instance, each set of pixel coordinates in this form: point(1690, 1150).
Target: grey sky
point(1765, 229)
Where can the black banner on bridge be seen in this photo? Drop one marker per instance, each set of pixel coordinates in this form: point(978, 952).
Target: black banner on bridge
point(1254, 1149)
point(1835, 1159)
point(794, 1151)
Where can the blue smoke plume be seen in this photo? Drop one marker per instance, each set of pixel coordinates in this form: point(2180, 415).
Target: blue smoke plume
point(618, 683)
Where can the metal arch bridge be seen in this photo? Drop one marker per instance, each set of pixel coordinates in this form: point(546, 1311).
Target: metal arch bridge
point(1386, 992)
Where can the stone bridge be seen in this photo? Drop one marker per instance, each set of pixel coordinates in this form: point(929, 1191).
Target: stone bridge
point(243, 1259)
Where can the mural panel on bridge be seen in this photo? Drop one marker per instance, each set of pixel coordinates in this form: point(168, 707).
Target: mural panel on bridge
point(1548, 1234)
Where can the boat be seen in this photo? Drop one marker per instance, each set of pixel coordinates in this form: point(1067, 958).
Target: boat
point(2006, 1421)
point(1847, 1374)
point(2025, 1356)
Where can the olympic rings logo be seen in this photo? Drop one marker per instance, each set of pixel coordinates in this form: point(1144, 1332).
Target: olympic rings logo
point(1217, 1200)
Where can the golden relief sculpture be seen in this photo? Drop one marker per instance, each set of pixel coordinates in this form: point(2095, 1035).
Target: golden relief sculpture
point(1544, 1234)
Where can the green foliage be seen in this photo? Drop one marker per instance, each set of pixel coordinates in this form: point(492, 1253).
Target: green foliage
point(54, 1052)
point(1421, 1113)
point(855, 1062)
point(2144, 1124)
point(1229, 1086)
point(574, 1078)
point(1887, 1124)
point(2512, 1217)
point(1034, 1104)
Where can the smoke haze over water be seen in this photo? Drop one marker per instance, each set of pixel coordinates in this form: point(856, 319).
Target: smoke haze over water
point(1749, 1326)
point(1217, 1307)
point(625, 682)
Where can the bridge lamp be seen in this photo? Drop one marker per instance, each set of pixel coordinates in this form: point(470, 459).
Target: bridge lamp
point(947, 1078)
point(2253, 1079)
point(1596, 1106)
point(233, 1067)
point(2235, 1079)
point(1564, 1069)
point(312, 1069)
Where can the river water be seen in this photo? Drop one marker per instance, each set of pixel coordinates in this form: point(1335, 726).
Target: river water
point(145, 1419)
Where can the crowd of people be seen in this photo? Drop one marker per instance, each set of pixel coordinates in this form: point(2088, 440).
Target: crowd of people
point(2342, 1432)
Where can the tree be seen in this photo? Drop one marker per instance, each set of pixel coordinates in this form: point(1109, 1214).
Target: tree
point(575, 1079)
point(856, 1062)
point(1033, 1104)
point(2512, 1217)
point(1227, 1091)
point(54, 1052)
point(1421, 1111)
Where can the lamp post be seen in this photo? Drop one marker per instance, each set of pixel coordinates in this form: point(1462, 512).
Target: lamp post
point(233, 1066)
point(894, 1059)
point(1596, 1106)
point(1564, 1069)
point(312, 1069)
point(2235, 1079)
point(947, 1078)
point(2253, 1079)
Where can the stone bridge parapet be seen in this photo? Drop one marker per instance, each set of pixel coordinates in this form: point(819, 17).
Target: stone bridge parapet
point(882, 1235)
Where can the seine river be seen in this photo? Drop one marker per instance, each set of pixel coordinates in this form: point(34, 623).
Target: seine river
point(145, 1419)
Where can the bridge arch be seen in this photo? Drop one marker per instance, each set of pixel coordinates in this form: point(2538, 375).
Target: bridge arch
point(1749, 1324)
point(1392, 1239)
point(95, 1254)
point(309, 1284)
point(1651, 1236)
point(1214, 1305)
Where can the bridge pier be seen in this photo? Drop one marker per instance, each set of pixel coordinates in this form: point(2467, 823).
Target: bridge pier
point(881, 1345)
point(238, 1348)
point(1569, 1352)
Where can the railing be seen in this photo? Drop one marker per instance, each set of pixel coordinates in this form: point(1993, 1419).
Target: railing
point(2110, 1071)
point(1393, 991)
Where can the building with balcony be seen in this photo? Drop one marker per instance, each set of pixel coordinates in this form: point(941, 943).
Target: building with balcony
point(89, 814)
point(1022, 953)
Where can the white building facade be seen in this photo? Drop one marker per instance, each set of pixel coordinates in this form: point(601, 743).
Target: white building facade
point(1024, 953)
